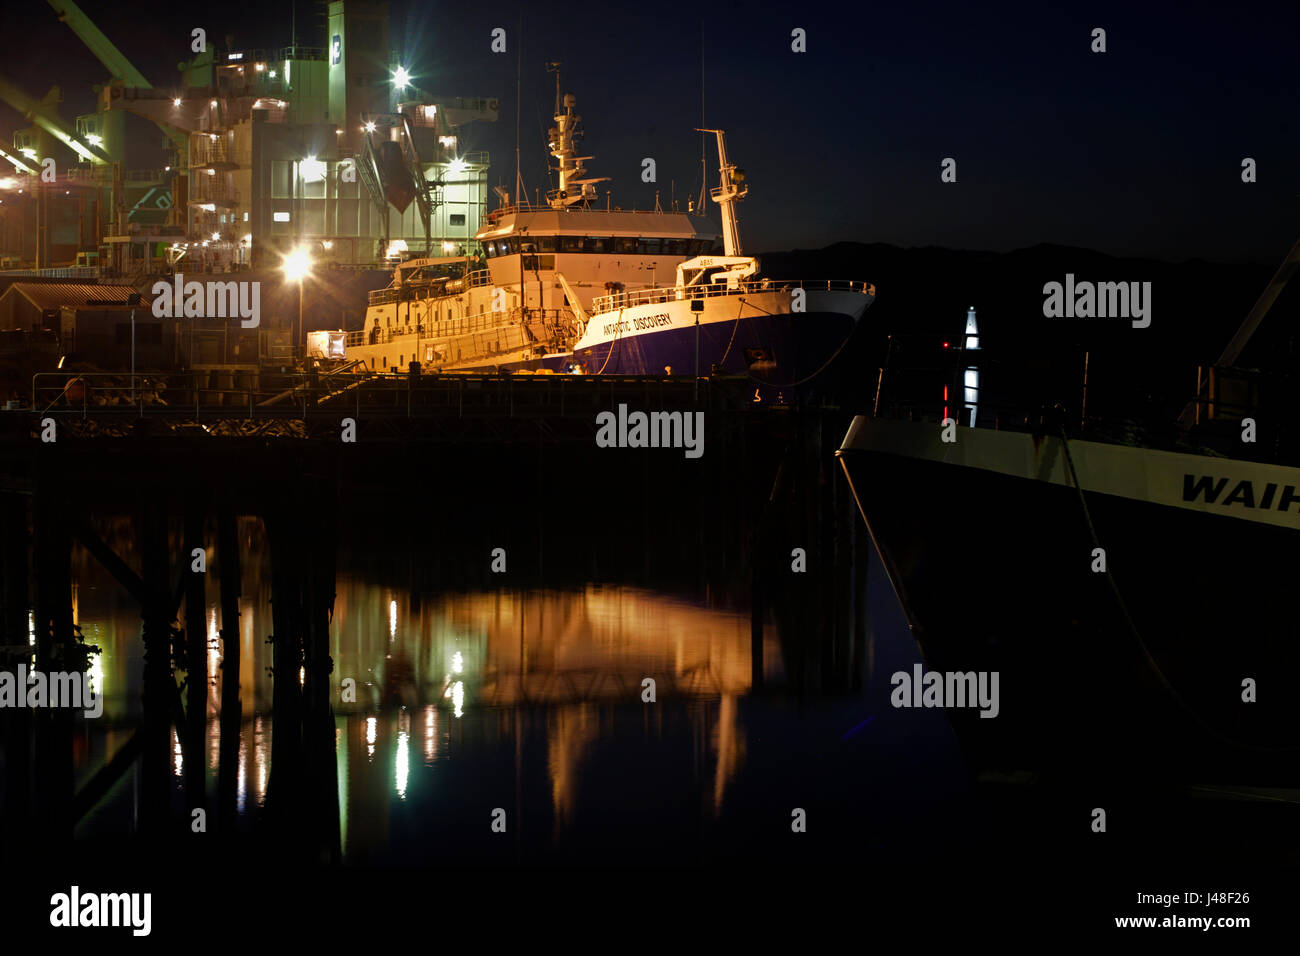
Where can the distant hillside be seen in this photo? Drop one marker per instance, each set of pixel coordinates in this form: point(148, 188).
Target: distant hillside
point(1196, 306)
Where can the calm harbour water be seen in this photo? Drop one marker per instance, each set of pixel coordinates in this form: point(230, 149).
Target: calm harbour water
point(530, 701)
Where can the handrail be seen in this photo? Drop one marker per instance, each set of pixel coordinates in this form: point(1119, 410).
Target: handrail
point(467, 325)
point(197, 397)
point(623, 300)
point(411, 288)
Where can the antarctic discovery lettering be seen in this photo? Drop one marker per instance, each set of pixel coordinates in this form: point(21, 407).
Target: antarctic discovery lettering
point(640, 323)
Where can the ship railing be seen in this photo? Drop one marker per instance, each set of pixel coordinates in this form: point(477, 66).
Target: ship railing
point(467, 325)
point(624, 300)
point(474, 280)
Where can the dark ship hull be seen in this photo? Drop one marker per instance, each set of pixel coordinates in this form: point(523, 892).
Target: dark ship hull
point(1138, 670)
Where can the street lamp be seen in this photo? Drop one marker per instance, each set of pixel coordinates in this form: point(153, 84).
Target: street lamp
point(297, 268)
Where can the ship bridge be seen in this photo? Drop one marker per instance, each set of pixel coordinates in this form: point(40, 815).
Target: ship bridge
point(594, 251)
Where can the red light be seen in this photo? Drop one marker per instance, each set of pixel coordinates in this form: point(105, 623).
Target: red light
point(945, 393)
point(945, 344)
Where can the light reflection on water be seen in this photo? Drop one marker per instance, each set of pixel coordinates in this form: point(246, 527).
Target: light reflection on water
point(530, 701)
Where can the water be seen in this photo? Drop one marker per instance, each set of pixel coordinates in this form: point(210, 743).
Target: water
point(530, 702)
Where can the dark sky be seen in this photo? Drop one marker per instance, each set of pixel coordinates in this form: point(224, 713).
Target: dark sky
point(1134, 152)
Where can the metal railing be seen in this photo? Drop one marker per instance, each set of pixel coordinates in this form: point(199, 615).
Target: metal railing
point(412, 290)
point(623, 300)
point(470, 324)
point(63, 272)
point(222, 396)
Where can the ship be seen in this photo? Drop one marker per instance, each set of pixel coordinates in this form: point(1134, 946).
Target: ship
point(544, 266)
point(721, 316)
point(1132, 591)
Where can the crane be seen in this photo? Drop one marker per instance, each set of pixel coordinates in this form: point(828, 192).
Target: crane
point(120, 69)
point(44, 116)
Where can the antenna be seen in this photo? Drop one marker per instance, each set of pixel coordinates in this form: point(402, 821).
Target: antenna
point(554, 67)
point(704, 169)
point(521, 197)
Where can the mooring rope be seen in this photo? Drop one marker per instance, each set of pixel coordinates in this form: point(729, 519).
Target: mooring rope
point(618, 333)
point(808, 378)
point(1133, 628)
point(734, 325)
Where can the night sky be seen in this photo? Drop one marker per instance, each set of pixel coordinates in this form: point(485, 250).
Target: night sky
point(1136, 151)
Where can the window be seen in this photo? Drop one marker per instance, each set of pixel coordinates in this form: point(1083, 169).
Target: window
point(457, 219)
point(571, 244)
point(281, 176)
point(596, 244)
point(280, 216)
point(513, 246)
point(546, 243)
point(624, 245)
point(537, 263)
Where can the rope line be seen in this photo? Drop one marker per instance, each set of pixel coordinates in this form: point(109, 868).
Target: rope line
point(808, 378)
point(1133, 628)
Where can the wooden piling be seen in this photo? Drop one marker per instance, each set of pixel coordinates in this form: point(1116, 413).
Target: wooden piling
point(54, 652)
point(196, 660)
point(231, 710)
point(285, 534)
point(159, 684)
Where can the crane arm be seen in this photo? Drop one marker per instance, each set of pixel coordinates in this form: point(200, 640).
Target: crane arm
point(118, 65)
point(47, 119)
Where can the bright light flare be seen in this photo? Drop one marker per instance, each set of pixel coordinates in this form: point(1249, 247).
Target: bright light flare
point(297, 264)
point(401, 78)
point(312, 170)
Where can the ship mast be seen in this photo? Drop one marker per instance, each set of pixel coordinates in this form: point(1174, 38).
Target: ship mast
point(731, 191)
point(572, 189)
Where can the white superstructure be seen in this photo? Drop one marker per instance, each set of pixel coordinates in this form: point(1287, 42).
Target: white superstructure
point(545, 266)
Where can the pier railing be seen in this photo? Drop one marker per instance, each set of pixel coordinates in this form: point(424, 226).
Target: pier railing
point(624, 300)
point(246, 394)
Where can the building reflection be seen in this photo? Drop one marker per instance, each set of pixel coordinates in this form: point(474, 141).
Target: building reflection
point(545, 678)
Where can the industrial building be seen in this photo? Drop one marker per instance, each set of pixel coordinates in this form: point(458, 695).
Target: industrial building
point(329, 145)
